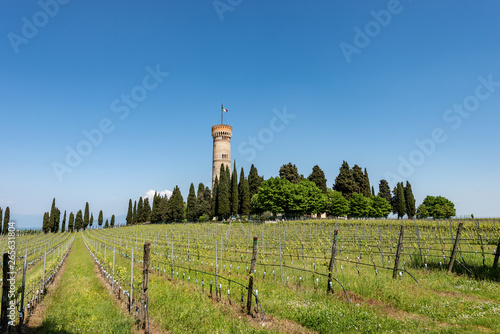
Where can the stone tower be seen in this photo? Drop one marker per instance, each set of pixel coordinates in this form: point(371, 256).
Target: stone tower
point(221, 133)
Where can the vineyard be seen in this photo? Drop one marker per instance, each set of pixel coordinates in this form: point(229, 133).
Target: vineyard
point(323, 276)
point(309, 276)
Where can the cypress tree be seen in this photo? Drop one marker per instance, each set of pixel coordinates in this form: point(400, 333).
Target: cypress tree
point(245, 198)
point(163, 208)
point(129, 212)
point(57, 219)
point(52, 216)
point(366, 184)
point(146, 210)
point(79, 220)
point(100, 219)
point(71, 222)
point(91, 220)
point(46, 223)
point(86, 216)
point(112, 221)
point(175, 206)
point(254, 180)
point(384, 191)
point(318, 177)
point(409, 201)
point(223, 194)
point(157, 207)
point(134, 213)
point(290, 173)
point(106, 225)
point(401, 200)
point(6, 220)
point(373, 191)
point(240, 189)
point(139, 211)
point(63, 227)
point(191, 204)
point(234, 191)
point(1, 220)
point(344, 182)
point(215, 198)
point(359, 179)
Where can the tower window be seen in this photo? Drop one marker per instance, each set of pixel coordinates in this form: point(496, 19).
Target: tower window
point(224, 156)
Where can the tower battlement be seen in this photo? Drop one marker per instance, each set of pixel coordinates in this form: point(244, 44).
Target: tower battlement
point(222, 130)
point(221, 134)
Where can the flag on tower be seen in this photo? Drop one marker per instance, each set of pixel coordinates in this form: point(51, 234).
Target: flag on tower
point(223, 109)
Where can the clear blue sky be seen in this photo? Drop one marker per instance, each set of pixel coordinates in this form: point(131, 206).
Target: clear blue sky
point(364, 80)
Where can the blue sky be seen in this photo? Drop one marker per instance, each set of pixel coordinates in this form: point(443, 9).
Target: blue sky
point(360, 81)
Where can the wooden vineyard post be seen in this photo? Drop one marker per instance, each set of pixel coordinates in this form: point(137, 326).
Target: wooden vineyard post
point(398, 252)
point(4, 321)
point(497, 255)
point(250, 281)
point(21, 312)
point(332, 260)
point(455, 248)
point(145, 284)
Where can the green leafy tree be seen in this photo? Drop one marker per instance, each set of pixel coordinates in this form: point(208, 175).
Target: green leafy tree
point(409, 201)
point(401, 206)
point(234, 191)
point(437, 207)
point(86, 216)
point(337, 205)
point(384, 190)
point(46, 223)
point(112, 221)
point(63, 228)
point(282, 196)
point(191, 213)
point(290, 173)
point(100, 219)
point(71, 222)
point(79, 220)
point(318, 177)
point(128, 219)
point(359, 205)
point(379, 207)
point(106, 225)
point(146, 210)
point(344, 182)
point(254, 180)
point(223, 194)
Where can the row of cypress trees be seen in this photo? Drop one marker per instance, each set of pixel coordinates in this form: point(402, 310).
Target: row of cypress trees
point(82, 220)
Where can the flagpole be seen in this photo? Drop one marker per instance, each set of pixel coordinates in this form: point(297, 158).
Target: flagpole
point(221, 114)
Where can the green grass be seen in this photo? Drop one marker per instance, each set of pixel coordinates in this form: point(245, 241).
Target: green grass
point(80, 304)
